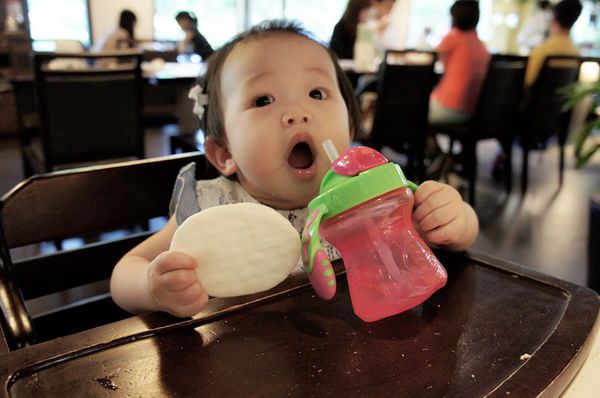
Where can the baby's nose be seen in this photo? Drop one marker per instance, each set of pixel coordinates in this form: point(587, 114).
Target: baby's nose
point(291, 118)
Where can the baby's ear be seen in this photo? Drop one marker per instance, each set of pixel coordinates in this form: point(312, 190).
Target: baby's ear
point(218, 155)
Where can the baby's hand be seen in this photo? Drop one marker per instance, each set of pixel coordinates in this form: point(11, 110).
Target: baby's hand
point(442, 216)
point(174, 284)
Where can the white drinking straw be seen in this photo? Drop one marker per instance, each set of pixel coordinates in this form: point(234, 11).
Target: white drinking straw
point(330, 149)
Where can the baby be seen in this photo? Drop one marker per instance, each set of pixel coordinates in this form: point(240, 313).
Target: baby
point(272, 96)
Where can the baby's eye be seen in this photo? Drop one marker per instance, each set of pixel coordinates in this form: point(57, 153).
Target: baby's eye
point(263, 100)
point(317, 93)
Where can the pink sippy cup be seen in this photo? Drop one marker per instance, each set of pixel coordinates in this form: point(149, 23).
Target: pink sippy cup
point(364, 209)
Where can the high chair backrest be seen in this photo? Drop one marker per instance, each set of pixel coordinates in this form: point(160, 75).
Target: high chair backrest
point(80, 202)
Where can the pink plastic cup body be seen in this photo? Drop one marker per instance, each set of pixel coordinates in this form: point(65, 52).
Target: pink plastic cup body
point(389, 267)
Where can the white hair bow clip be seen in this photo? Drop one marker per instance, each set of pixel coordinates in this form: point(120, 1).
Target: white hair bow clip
point(200, 100)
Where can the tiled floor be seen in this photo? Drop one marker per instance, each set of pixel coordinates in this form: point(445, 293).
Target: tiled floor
point(546, 230)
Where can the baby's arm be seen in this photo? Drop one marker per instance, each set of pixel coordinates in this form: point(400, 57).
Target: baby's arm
point(148, 278)
point(443, 218)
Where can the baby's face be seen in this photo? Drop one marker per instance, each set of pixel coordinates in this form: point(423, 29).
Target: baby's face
point(280, 102)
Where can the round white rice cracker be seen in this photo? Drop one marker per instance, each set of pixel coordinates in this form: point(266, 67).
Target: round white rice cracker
point(241, 248)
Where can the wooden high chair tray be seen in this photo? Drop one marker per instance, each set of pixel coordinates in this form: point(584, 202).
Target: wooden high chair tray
point(495, 329)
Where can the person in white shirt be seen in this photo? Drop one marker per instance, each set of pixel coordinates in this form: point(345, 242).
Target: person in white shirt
point(121, 36)
point(423, 43)
point(535, 28)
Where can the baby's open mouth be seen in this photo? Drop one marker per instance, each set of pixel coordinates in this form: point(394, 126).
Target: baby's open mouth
point(301, 156)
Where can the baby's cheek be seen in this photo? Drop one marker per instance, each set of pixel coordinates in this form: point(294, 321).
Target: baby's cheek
point(344, 144)
point(252, 159)
point(322, 169)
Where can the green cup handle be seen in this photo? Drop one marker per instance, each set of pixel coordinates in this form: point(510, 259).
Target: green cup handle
point(412, 186)
point(316, 263)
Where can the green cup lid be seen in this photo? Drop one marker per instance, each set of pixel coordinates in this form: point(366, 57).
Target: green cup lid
point(340, 192)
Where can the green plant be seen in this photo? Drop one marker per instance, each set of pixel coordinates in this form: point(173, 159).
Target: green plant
point(576, 93)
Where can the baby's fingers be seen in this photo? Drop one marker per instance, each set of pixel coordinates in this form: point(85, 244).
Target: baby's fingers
point(169, 261)
point(436, 218)
point(172, 271)
point(431, 196)
point(446, 234)
point(177, 280)
point(186, 302)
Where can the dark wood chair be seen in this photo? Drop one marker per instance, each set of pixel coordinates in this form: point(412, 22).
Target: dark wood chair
point(73, 203)
point(20, 74)
point(406, 79)
point(90, 110)
point(495, 117)
point(543, 115)
point(187, 142)
point(19, 53)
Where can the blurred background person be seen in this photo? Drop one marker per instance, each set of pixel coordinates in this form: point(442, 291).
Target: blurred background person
point(535, 28)
point(423, 43)
point(122, 36)
point(380, 14)
point(559, 42)
point(344, 32)
point(465, 59)
point(194, 42)
point(370, 14)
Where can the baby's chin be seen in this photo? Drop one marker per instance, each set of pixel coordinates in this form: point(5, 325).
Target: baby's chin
point(288, 201)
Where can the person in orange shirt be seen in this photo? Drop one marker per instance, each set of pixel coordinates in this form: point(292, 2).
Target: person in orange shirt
point(465, 60)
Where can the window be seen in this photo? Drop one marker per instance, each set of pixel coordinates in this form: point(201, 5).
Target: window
point(435, 14)
point(219, 20)
point(586, 30)
point(318, 16)
point(58, 20)
point(429, 14)
point(259, 10)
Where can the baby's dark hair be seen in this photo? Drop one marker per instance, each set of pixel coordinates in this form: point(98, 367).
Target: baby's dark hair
point(212, 122)
point(465, 14)
point(566, 13)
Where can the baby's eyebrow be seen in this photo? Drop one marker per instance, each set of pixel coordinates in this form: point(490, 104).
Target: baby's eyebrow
point(258, 76)
point(319, 71)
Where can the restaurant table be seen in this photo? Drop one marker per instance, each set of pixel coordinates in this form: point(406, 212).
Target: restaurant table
point(151, 71)
point(172, 72)
point(166, 88)
point(496, 329)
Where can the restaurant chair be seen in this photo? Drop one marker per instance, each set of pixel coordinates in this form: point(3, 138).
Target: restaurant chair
point(19, 73)
point(90, 110)
point(19, 53)
point(187, 142)
point(543, 115)
point(406, 79)
point(495, 117)
point(73, 203)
